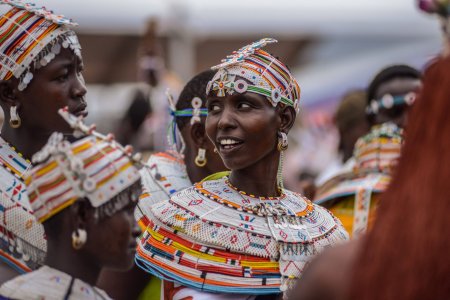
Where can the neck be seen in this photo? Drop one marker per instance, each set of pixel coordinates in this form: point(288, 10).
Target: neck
point(195, 173)
point(25, 141)
point(73, 262)
point(259, 179)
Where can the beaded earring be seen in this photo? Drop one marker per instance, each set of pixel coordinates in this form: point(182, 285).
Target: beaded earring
point(282, 146)
point(79, 238)
point(14, 120)
point(200, 159)
point(283, 142)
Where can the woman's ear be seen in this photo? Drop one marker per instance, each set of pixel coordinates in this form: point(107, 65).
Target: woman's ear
point(198, 134)
point(79, 214)
point(8, 93)
point(287, 117)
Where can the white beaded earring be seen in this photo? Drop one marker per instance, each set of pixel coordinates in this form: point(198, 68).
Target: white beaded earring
point(79, 238)
point(200, 159)
point(14, 120)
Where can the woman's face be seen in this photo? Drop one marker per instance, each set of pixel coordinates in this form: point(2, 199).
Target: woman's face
point(58, 84)
point(243, 127)
point(113, 239)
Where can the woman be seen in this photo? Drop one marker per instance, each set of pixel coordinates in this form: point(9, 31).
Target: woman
point(40, 72)
point(391, 93)
point(168, 172)
point(84, 193)
point(217, 236)
point(353, 196)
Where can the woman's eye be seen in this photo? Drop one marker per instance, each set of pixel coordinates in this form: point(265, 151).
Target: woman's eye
point(214, 107)
point(63, 78)
point(243, 105)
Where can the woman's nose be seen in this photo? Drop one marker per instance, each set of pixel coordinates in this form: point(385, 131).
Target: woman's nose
point(227, 119)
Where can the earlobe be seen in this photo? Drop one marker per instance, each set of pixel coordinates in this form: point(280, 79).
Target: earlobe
point(198, 134)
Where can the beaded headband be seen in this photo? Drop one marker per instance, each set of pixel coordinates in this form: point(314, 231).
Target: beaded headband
point(267, 75)
point(31, 37)
point(388, 101)
point(195, 113)
point(95, 167)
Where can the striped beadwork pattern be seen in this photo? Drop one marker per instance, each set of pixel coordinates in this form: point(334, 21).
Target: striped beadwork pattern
point(22, 242)
point(107, 169)
point(162, 175)
point(202, 238)
point(268, 75)
point(24, 32)
point(379, 150)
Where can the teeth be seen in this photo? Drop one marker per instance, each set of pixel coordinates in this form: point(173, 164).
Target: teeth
point(228, 142)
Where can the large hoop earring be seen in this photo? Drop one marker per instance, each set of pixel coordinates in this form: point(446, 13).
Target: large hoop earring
point(79, 238)
point(283, 142)
point(200, 159)
point(14, 120)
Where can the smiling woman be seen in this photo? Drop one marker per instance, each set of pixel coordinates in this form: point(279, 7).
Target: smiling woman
point(40, 72)
point(242, 236)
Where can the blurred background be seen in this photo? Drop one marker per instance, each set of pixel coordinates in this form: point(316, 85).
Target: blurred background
point(139, 48)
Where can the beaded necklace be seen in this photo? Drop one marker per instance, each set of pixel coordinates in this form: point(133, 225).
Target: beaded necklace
point(12, 160)
point(228, 182)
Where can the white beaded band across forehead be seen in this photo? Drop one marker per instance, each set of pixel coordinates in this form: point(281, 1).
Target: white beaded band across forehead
point(95, 167)
point(250, 69)
point(31, 38)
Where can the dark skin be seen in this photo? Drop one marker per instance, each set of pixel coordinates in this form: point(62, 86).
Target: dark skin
point(252, 121)
point(395, 87)
point(195, 137)
point(111, 242)
point(54, 86)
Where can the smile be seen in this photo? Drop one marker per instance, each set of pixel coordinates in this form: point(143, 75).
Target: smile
point(229, 143)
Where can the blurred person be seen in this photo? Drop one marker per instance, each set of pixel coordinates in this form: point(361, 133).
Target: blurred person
point(168, 172)
point(405, 255)
point(157, 79)
point(353, 196)
point(242, 236)
point(390, 94)
point(40, 71)
point(351, 122)
point(84, 193)
point(139, 110)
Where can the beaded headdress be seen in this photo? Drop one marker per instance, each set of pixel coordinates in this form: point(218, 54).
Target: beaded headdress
point(251, 69)
point(31, 37)
point(95, 167)
point(389, 101)
point(173, 135)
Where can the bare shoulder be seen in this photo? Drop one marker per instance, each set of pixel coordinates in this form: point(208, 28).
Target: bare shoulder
point(328, 275)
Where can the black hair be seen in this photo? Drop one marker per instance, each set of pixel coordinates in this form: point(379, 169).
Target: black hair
point(196, 87)
point(389, 73)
